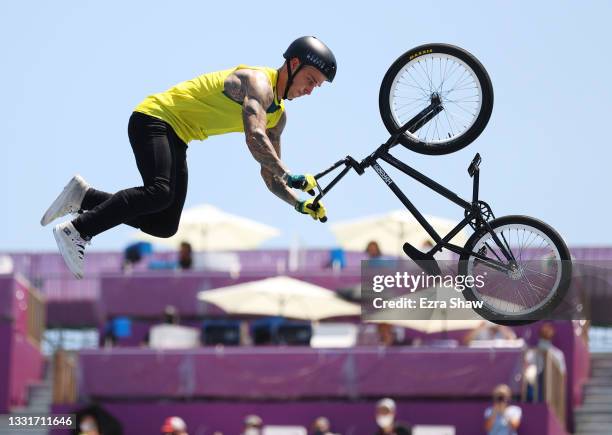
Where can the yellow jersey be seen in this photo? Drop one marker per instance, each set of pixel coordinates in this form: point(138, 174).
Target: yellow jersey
point(199, 108)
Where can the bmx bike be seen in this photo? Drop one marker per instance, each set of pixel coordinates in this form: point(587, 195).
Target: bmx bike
point(437, 99)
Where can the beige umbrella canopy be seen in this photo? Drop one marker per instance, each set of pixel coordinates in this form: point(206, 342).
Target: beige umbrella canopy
point(390, 231)
point(206, 227)
point(433, 325)
point(280, 296)
point(432, 318)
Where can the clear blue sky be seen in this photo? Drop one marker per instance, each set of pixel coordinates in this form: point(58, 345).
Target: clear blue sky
point(73, 71)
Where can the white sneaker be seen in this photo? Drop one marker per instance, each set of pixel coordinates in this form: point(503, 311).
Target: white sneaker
point(69, 201)
point(71, 246)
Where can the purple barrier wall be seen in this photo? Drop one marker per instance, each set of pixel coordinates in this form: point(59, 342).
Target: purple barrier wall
point(26, 367)
point(147, 294)
point(578, 369)
point(302, 373)
point(51, 263)
point(346, 418)
point(74, 313)
point(21, 361)
point(6, 341)
point(554, 425)
point(7, 296)
point(581, 369)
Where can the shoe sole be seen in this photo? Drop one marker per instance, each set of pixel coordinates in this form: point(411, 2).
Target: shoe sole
point(49, 216)
point(64, 254)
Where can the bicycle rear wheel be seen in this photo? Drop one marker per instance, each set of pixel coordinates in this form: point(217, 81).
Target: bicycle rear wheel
point(431, 73)
point(535, 282)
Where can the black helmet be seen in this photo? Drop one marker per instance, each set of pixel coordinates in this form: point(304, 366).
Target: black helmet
point(310, 51)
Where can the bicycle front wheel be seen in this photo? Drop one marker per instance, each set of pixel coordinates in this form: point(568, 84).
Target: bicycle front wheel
point(447, 75)
point(535, 279)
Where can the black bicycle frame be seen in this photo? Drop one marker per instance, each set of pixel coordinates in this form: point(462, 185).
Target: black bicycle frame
point(473, 211)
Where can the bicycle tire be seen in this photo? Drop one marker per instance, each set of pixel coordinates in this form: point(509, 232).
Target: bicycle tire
point(388, 105)
point(564, 273)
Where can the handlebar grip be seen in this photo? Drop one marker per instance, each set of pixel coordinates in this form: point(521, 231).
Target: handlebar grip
point(315, 206)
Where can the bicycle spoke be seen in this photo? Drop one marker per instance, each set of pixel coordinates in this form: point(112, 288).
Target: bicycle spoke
point(427, 78)
point(452, 80)
point(526, 287)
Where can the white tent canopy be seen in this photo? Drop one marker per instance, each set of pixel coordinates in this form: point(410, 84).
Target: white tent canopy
point(206, 227)
point(280, 296)
point(434, 319)
point(390, 231)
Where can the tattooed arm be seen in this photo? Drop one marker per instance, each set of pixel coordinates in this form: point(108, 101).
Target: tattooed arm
point(257, 93)
point(274, 183)
point(253, 90)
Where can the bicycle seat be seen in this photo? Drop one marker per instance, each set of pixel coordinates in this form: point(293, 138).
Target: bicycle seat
point(425, 261)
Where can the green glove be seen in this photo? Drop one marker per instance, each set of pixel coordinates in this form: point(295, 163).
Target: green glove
point(305, 182)
point(315, 212)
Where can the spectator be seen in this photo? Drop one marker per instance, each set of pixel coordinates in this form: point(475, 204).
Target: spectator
point(489, 331)
point(321, 426)
point(88, 426)
point(174, 426)
point(171, 316)
point(134, 253)
point(373, 250)
point(386, 334)
point(502, 418)
point(109, 338)
point(252, 425)
point(185, 260)
point(385, 419)
point(95, 420)
point(376, 257)
point(545, 345)
point(536, 362)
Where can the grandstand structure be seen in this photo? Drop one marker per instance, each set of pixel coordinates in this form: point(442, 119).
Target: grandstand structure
point(66, 344)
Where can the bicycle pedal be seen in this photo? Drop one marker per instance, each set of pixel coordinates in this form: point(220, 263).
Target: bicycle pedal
point(425, 261)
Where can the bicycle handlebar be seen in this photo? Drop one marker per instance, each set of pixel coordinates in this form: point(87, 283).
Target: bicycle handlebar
point(349, 163)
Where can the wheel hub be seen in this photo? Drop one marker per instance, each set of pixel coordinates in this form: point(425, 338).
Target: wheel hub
point(436, 99)
point(515, 272)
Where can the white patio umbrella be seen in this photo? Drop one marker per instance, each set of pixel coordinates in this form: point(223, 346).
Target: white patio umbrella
point(280, 296)
point(390, 231)
point(206, 227)
point(433, 325)
point(431, 320)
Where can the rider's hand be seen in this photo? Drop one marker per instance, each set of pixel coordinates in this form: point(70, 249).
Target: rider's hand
point(305, 182)
point(316, 212)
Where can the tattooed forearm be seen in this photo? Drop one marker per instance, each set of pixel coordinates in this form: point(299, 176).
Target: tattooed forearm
point(258, 141)
point(263, 144)
point(278, 187)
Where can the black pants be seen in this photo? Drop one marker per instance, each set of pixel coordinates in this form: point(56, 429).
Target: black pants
point(155, 207)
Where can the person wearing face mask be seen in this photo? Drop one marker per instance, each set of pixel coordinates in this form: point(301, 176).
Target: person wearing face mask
point(88, 426)
point(252, 425)
point(385, 419)
point(502, 418)
point(174, 426)
point(321, 426)
point(536, 362)
point(545, 345)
